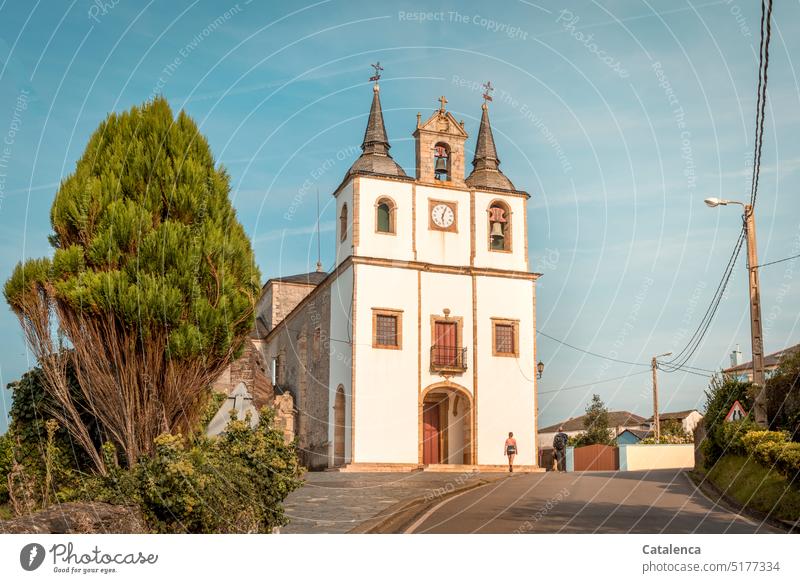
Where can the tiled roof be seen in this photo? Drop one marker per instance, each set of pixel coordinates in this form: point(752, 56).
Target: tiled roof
point(311, 278)
point(770, 360)
point(615, 419)
point(674, 415)
point(640, 433)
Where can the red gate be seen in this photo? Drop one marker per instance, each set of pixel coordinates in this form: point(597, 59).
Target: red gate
point(597, 458)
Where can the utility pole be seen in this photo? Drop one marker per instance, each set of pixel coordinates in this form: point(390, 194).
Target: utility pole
point(656, 420)
point(756, 338)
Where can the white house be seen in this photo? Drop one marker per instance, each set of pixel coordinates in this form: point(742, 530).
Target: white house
point(419, 348)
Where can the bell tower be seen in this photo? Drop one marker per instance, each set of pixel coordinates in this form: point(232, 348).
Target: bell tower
point(440, 148)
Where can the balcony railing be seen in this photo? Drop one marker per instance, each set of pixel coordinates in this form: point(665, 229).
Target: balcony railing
point(448, 358)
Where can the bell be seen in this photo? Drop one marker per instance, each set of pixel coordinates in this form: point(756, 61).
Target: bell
point(441, 164)
point(497, 231)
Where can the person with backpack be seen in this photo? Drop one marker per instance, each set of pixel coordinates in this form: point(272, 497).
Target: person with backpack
point(560, 446)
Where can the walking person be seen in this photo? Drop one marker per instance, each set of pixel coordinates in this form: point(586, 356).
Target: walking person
point(560, 446)
point(510, 449)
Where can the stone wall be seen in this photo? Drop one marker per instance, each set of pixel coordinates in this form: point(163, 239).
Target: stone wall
point(302, 352)
point(279, 299)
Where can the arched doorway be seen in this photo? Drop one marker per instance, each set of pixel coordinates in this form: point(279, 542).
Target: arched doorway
point(445, 426)
point(338, 427)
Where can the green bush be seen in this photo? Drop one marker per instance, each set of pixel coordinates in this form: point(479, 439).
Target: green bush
point(730, 435)
point(234, 483)
point(720, 397)
point(771, 449)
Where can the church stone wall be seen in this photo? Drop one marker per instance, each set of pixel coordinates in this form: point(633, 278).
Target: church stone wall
point(301, 347)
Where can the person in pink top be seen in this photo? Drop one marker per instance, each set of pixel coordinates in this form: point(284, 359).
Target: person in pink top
point(510, 449)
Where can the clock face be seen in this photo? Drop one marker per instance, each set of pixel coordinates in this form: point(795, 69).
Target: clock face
point(442, 216)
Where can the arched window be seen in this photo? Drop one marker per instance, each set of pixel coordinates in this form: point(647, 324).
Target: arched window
point(499, 227)
point(384, 216)
point(441, 161)
point(343, 223)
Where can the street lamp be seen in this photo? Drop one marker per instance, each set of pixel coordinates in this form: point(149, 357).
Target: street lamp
point(756, 338)
point(656, 420)
point(539, 369)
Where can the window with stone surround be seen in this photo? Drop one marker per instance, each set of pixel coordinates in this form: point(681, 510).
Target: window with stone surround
point(385, 216)
point(505, 337)
point(387, 328)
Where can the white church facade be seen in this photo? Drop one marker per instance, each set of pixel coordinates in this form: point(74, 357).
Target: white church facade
point(419, 347)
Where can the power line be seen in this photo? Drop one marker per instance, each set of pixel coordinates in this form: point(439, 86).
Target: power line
point(761, 93)
point(777, 261)
point(594, 383)
point(589, 352)
point(761, 97)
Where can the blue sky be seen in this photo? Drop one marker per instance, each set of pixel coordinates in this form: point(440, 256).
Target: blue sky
point(618, 117)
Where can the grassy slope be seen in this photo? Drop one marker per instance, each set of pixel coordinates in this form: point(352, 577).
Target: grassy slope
point(756, 487)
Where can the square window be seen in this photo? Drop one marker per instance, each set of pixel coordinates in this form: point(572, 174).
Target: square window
point(386, 329)
point(504, 338)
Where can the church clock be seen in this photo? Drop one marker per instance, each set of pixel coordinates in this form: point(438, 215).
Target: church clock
point(442, 215)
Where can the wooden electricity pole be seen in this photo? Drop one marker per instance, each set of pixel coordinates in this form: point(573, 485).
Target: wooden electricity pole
point(656, 420)
point(756, 339)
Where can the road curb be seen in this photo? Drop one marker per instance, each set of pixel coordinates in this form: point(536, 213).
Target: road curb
point(713, 493)
point(395, 518)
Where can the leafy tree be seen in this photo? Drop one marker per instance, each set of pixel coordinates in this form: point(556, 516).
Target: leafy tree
point(721, 394)
point(595, 423)
point(152, 283)
point(783, 396)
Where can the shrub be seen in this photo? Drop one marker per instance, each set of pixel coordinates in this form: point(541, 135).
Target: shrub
point(234, 483)
point(783, 396)
point(730, 435)
point(771, 449)
point(720, 397)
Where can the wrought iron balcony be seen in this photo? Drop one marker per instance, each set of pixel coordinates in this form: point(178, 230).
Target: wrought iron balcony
point(448, 358)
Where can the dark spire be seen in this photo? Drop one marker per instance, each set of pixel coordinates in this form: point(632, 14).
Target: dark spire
point(486, 171)
point(375, 140)
point(376, 158)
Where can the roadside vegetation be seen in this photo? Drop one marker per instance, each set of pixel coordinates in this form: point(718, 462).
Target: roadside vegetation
point(148, 296)
point(758, 468)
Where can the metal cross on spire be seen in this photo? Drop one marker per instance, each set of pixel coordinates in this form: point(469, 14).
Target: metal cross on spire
point(487, 93)
point(377, 75)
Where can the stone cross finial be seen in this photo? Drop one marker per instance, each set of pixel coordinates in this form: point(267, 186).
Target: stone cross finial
point(442, 100)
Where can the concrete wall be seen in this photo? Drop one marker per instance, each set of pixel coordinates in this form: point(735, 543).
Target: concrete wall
point(440, 247)
point(386, 387)
point(506, 384)
point(516, 259)
point(655, 457)
point(397, 245)
point(340, 351)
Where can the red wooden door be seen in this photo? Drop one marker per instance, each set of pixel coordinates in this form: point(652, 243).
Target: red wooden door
point(430, 433)
point(446, 347)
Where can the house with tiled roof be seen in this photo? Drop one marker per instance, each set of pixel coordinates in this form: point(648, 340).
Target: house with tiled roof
point(744, 371)
point(618, 421)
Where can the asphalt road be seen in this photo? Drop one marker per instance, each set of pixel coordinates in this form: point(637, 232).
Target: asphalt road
point(662, 501)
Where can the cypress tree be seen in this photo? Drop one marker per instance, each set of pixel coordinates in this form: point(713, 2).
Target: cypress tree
point(152, 282)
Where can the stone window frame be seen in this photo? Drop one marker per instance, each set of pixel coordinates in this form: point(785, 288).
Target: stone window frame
point(508, 241)
point(392, 215)
point(515, 336)
point(392, 312)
